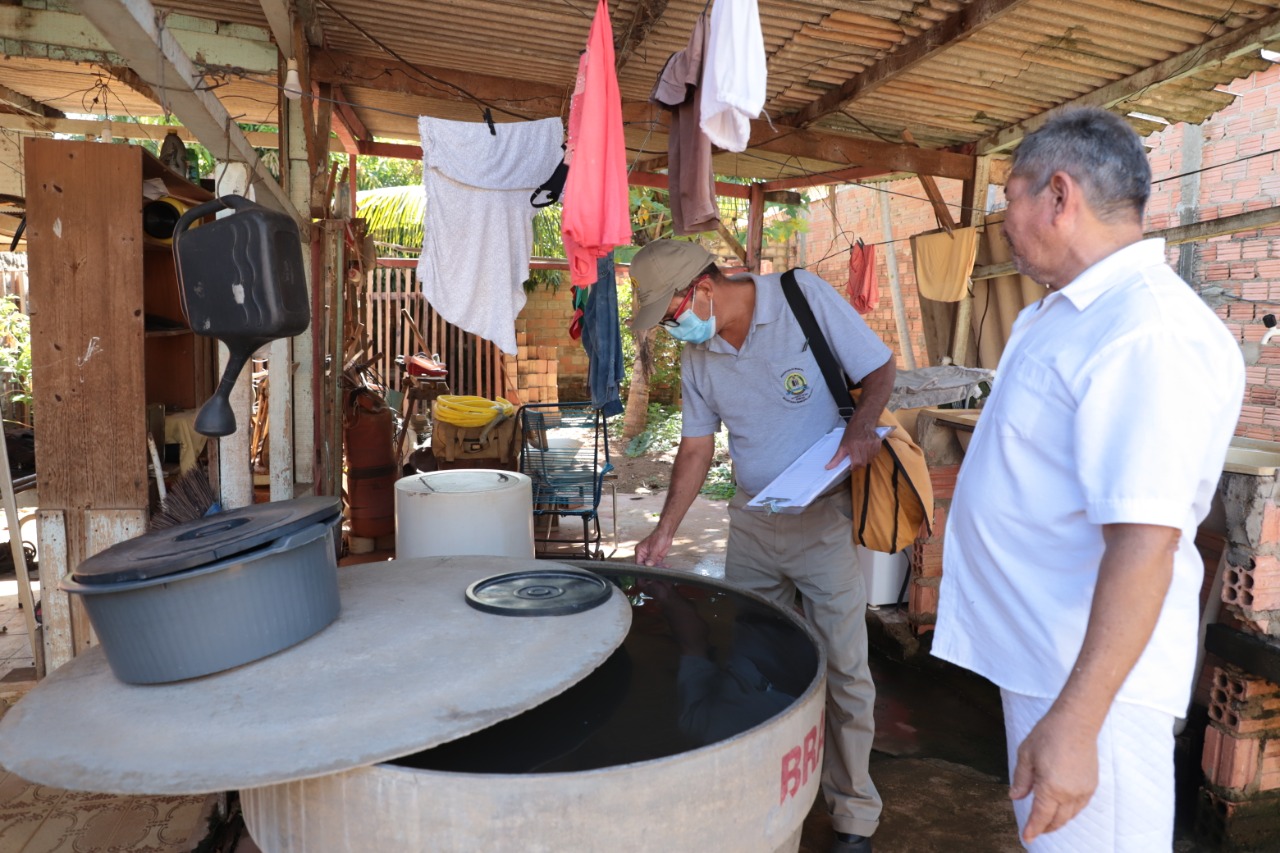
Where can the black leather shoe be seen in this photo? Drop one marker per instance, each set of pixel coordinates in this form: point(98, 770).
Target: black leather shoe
point(848, 843)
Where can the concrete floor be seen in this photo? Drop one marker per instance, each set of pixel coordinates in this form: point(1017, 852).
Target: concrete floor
point(938, 761)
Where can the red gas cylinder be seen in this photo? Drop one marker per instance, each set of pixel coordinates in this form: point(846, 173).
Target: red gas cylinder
point(371, 469)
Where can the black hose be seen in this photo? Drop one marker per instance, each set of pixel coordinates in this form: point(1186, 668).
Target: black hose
point(17, 235)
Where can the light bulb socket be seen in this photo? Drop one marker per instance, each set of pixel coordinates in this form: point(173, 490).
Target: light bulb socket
point(292, 86)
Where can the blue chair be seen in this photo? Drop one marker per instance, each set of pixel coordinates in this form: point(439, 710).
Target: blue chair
point(565, 452)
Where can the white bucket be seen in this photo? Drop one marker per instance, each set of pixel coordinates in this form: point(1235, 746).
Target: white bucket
point(476, 511)
point(883, 574)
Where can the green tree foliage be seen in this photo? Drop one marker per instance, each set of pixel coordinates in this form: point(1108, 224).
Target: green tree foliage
point(382, 172)
point(15, 353)
point(395, 218)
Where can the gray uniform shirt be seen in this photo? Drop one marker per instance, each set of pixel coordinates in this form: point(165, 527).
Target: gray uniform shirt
point(770, 393)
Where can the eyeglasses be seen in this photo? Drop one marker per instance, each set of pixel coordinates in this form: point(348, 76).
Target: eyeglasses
point(672, 321)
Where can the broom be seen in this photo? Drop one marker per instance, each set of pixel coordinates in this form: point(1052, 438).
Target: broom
point(190, 497)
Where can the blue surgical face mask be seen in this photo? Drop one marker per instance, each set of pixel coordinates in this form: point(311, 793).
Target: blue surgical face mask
point(692, 329)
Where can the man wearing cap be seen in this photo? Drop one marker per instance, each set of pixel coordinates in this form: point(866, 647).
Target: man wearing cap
point(747, 364)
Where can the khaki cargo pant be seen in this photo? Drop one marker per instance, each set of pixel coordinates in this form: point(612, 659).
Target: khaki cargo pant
point(813, 552)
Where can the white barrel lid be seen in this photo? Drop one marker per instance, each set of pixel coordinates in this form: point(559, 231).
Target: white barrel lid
point(408, 665)
point(462, 481)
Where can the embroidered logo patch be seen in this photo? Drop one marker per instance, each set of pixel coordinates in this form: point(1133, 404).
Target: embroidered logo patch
point(795, 387)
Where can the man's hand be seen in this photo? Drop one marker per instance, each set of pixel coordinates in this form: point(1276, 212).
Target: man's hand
point(652, 549)
point(1058, 765)
point(859, 443)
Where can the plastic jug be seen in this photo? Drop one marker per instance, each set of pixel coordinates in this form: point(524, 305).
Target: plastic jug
point(242, 281)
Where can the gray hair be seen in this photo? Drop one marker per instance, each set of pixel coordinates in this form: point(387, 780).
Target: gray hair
point(1098, 150)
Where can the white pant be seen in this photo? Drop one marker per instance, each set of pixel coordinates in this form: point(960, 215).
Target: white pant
point(1132, 809)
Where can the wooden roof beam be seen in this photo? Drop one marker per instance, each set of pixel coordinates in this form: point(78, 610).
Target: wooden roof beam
point(346, 124)
point(662, 182)
point(647, 15)
point(839, 176)
point(26, 105)
point(884, 157)
point(1235, 43)
point(310, 19)
point(954, 29)
point(32, 125)
point(280, 14)
point(280, 22)
point(1175, 235)
point(542, 99)
point(128, 77)
point(134, 30)
point(389, 75)
point(65, 35)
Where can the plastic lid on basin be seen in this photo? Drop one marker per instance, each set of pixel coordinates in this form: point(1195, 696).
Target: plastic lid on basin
point(205, 540)
point(408, 665)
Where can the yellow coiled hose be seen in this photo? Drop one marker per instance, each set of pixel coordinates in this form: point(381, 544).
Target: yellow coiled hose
point(464, 411)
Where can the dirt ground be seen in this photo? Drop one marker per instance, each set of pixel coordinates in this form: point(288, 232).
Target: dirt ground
point(649, 472)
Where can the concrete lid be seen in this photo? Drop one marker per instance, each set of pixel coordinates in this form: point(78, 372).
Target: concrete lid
point(407, 665)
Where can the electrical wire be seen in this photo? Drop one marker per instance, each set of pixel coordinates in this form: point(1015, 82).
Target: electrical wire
point(427, 77)
point(102, 91)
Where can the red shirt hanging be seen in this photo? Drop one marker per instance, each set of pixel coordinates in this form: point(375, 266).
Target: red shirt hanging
point(864, 291)
point(597, 204)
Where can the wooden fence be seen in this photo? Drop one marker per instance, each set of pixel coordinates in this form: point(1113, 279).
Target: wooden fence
point(475, 364)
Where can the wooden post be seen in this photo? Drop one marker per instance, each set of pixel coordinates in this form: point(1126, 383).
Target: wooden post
point(755, 227)
point(974, 214)
point(290, 363)
point(235, 452)
point(87, 351)
point(940, 209)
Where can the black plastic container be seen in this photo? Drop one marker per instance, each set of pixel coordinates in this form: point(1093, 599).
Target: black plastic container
point(242, 281)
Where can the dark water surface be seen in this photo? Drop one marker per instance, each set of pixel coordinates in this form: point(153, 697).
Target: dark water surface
point(700, 663)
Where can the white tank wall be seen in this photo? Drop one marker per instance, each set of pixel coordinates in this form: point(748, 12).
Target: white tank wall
point(749, 793)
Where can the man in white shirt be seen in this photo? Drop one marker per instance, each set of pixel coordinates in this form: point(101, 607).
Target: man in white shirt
point(1070, 577)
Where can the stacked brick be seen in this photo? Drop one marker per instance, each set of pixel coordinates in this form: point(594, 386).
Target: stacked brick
point(1240, 802)
point(537, 370)
point(542, 334)
point(926, 556)
point(1251, 580)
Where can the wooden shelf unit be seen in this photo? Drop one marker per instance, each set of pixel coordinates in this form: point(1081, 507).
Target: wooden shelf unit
point(93, 280)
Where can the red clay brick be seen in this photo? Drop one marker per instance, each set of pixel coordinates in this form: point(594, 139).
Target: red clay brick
point(944, 480)
point(1231, 762)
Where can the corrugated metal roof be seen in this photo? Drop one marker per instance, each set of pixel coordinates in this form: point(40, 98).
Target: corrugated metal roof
point(953, 74)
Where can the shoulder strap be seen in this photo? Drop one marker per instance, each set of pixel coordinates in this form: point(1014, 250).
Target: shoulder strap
point(831, 371)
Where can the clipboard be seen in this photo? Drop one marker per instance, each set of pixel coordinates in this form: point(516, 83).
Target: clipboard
point(807, 477)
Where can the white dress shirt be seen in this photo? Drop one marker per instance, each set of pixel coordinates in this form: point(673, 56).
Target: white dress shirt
point(1114, 403)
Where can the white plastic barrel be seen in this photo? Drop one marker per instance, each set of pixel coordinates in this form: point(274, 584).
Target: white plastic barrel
point(477, 511)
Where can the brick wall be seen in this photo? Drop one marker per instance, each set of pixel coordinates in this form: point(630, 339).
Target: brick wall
point(1238, 275)
point(824, 249)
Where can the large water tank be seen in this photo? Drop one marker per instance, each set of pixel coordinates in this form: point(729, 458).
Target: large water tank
point(467, 511)
point(678, 714)
point(634, 757)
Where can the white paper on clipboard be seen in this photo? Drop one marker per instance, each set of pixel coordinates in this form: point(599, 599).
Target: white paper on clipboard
point(807, 477)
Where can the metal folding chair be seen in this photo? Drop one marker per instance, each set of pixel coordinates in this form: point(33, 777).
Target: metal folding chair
point(565, 452)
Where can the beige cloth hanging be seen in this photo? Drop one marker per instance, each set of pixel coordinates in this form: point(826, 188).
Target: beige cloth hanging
point(997, 301)
point(943, 262)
